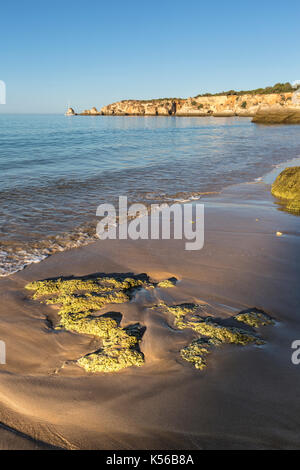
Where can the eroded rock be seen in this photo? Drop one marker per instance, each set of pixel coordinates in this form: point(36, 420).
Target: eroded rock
point(78, 300)
point(287, 188)
point(214, 332)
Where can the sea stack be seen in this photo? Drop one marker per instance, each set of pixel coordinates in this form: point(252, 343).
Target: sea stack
point(70, 112)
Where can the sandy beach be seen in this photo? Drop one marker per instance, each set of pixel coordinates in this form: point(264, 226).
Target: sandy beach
point(149, 229)
point(247, 397)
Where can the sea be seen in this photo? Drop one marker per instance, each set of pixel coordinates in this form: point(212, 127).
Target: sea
point(55, 170)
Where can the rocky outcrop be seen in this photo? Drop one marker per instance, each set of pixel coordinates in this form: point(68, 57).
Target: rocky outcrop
point(91, 112)
point(70, 112)
point(277, 115)
point(221, 105)
point(164, 107)
point(287, 188)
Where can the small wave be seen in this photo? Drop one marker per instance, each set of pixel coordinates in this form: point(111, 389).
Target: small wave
point(15, 257)
point(270, 177)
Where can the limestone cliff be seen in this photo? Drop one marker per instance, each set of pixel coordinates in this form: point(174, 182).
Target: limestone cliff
point(221, 105)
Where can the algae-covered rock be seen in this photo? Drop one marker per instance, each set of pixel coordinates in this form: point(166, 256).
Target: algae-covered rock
point(293, 206)
point(219, 334)
point(70, 286)
point(59, 286)
point(167, 283)
point(277, 115)
point(214, 331)
point(78, 300)
point(186, 317)
point(179, 311)
point(87, 302)
point(254, 318)
point(287, 188)
point(111, 360)
point(196, 353)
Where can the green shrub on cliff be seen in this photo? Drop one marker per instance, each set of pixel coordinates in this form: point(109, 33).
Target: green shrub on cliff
point(287, 188)
point(277, 88)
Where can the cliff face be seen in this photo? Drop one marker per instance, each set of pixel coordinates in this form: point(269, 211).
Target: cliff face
point(225, 105)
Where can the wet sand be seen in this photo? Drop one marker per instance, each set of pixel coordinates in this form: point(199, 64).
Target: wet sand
point(247, 397)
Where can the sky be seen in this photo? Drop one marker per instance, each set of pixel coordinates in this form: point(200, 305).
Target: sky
point(91, 53)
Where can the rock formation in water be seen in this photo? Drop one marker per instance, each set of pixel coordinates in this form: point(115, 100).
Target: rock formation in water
point(91, 112)
point(70, 112)
point(287, 188)
point(277, 115)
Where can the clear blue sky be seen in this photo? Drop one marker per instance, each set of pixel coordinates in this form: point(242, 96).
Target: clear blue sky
point(91, 53)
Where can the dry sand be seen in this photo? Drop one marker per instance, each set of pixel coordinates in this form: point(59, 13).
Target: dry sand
point(248, 397)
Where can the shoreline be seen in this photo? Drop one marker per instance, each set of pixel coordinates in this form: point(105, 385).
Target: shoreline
point(168, 116)
point(265, 116)
point(86, 238)
point(242, 265)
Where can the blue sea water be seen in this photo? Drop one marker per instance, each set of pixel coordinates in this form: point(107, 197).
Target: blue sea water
point(55, 170)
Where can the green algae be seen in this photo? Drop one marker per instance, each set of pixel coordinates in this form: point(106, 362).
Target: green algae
point(166, 283)
point(87, 302)
point(127, 283)
point(287, 183)
point(78, 299)
point(287, 188)
point(111, 360)
point(223, 334)
point(70, 286)
point(293, 206)
point(105, 328)
point(196, 353)
point(211, 330)
point(255, 318)
point(186, 317)
point(60, 286)
point(180, 311)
